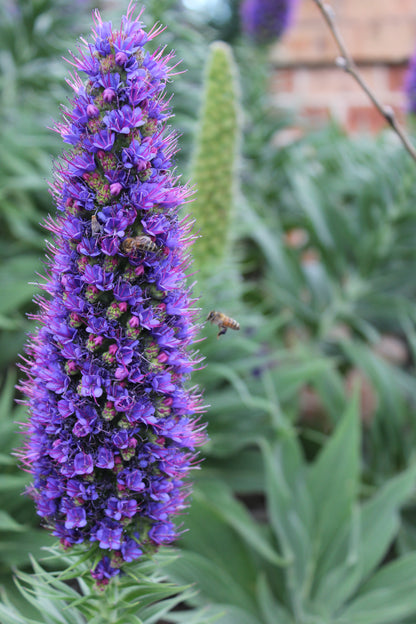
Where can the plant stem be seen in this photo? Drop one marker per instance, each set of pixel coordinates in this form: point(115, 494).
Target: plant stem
point(346, 62)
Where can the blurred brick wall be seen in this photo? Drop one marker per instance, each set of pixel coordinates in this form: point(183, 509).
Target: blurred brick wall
point(379, 34)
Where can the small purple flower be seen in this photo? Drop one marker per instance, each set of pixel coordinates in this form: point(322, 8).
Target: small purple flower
point(53, 487)
point(76, 517)
point(81, 164)
point(105, 458)
point(162, 533)
point(113, 422)
point(266, 20)
point(124, 120)
point(83, 464)
point(103, 140)
point(104, 571)
point(90, 385)
point(109, 538)
point(130, 550)
point(115, 188)
point(133, 480)
point(118, 509)
point(46, 507)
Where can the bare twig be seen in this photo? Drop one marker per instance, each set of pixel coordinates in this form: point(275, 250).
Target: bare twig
point(346, 62)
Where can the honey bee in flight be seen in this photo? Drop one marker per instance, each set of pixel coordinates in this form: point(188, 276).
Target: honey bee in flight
point(95, 226)
point(223, 321)
point(138, 243)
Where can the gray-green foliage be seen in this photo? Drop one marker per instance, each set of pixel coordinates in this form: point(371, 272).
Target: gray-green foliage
point(351, 281)
point(143, 596)
point(355, 200)
point(33, 38)
point(321, 556)
point(215, 161)
point(20, 534)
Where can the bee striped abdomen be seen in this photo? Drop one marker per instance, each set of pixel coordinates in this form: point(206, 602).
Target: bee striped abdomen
point(138, 243)
point(223, 321)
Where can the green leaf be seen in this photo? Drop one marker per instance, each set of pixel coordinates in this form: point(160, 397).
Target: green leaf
point(10, 324)
point(306, 195)
point(215, 583)
point(290, 509)
point(6, 397)
point(211, 537)
point(242, 471)
point(289, 377)
point(16, 482)
point(8, 524)
point(15, 552)
point(15, 275)
point(9, 615)
point(389, 596)
point(214, 614)
point(6, 460)
point(154, 613)
point(334, 477)
point(271, 610)
point(387, 380)
point(219, 498)
point(362, 543)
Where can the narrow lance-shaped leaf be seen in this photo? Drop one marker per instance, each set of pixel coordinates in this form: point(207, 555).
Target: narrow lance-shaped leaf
point(291, 512)
point(127, 600)
point(388, 596)
point(334, 477)
point(361, 544)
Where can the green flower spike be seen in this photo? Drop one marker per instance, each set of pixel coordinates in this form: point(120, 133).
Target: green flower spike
point(215, 161)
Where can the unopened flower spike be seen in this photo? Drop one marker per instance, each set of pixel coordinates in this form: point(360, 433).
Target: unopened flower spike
point(114, 426)
point(214, 169)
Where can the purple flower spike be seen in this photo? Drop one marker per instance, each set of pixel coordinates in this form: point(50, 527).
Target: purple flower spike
point(114, 426)
point(266, 20)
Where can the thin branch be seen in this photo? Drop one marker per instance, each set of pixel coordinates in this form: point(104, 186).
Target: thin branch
point(346, 62)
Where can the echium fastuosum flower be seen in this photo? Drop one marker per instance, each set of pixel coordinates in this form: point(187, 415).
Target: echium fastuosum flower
point(266, 20)
point(113, 425)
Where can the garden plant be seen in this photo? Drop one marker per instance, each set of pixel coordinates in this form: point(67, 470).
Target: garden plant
point(265, 475)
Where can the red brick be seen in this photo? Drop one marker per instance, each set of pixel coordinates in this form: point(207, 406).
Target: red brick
point(371, 29)
point(316, 115)
point(364, 119)
point(379, 34)
point(373, 8)
point(282, 80)
point(396, 77)
point(329, 80)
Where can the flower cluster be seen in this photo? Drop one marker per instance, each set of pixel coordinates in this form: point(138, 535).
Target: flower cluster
point(265, 20)
point(113, 426)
